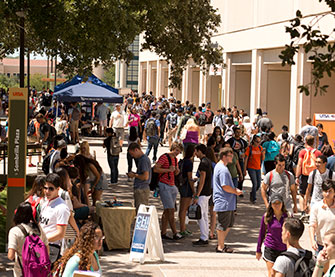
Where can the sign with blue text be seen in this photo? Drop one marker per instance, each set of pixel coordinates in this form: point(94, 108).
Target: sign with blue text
point(147, 239)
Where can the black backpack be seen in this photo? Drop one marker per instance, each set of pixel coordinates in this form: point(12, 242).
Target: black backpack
point(296, 151)
point(303, 265)
point(202, 119)
point(155, 176)
point(46, 162)
point(31, 128)
point(179, 180)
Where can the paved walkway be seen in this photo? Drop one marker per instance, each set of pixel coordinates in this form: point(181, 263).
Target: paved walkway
point(181, 258)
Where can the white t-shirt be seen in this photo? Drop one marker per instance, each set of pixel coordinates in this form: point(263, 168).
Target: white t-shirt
point(16, 240)
point(317, 186)
point(66, 198)
point(118, 121)
point(285, 265)
point(54, 212)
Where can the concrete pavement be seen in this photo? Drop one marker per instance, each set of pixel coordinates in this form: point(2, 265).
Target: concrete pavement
point(181, 258)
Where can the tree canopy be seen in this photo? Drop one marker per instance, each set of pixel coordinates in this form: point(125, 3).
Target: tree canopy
point(87, 32)
point(321, 52)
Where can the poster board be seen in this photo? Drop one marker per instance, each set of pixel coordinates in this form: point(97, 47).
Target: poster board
point(147, 241)
point(328, 122)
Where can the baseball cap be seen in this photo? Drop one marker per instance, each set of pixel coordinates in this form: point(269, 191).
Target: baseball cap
point(276, 197)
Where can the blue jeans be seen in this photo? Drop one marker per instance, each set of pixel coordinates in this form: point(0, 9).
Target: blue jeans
point(152, 142)
point(255, 176)
point(113, 162)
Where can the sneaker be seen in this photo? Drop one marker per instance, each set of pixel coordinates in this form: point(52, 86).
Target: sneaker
point(32, 165)
point(200, 242)
point(188, 232)
point(166, 237)
point(178, 236)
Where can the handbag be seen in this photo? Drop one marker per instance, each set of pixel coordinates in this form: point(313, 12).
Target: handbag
point(194, 212)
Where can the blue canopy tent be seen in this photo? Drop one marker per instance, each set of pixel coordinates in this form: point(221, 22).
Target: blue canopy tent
point(93, 90)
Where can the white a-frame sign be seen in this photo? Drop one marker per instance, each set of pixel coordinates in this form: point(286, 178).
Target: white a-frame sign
point(147, 239)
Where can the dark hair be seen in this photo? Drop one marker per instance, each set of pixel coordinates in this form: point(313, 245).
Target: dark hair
point(319, 125)
point(327, 150)
point(37, 187)
point(269, 213)
point(298, 138)
point(271, 136)
point(24, 214)
point(211, 141)
point(327, 185)
point(73, 172)
point(63, 153)
point(202, 148)
point(62, 173)
point(189, 151)
point(323, 158)
point(133, 133)
point(280, 158)
point(284, 136)
point(211, 155)
point(54, 179)
point(214, 131)
point(309, 140)
point(259, 111)
point(153, 114)
point(109, 131)
point(82, 163)
point(236, 128)
point(284, 128)
point(134, 146)
point(295, 227)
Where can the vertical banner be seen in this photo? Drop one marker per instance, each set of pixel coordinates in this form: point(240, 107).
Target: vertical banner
point(17, 149)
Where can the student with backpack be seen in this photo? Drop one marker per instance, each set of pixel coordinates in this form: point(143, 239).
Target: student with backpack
point(271, 230)
point(306, 164)
point(24, 235)
point(280, 181)
point(151, 134)
point(293, 261)
point(171, 126)
point(36, 196)
point(271, 151)
point(254, 156)
point(33, 136)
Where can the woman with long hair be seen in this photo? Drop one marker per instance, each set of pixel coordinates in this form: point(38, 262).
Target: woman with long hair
point(190, 134)
point(271, 151)
point(84, 149)
point(36, 196)
point(187, 189)
point(82, 255)
point(270, 232)
point(23, 218)
point(91, 176)
point(254, 156)
point(134, 120)
point(133, 137)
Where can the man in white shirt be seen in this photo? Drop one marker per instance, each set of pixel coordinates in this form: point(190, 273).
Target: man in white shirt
point(117, 123)
point(55, 213)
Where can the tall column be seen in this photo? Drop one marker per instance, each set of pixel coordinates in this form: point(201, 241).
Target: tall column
point(169, 82)
point(159, 79)
point(185, 84)
point(299, 104)
point(140, 78)
point(123, 74)
point(149, 72)
point(117, 74)
point(201, 88)
point(257, 68)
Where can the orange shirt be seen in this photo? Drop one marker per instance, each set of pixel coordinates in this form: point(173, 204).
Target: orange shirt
point(254, 161)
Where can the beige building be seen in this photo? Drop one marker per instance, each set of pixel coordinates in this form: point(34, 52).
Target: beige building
point(252, 34)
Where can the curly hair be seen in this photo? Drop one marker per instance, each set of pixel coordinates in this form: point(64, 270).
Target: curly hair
point(83, 247)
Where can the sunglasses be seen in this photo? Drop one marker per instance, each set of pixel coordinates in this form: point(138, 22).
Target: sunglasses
point(49, 188)
point(97, 239)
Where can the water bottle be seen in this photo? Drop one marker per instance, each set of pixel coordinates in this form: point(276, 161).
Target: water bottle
point(156, 192)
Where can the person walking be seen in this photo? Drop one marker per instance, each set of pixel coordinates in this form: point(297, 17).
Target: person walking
point(224, 197)
point(270, 232)
point(271, 151)
point(190, 134)
point(117, 123)
point(151, 134)
point(113, 148)
point(254, 156)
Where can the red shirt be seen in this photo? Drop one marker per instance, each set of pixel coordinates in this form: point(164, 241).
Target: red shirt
point(303, 152)
point(167, 178)
point(255, 161)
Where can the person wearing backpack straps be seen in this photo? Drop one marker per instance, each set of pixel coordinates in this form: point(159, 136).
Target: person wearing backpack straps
point(254, 156)
point(33, 136)
point(282, 182)
point(23, 218)
point(167, 167)
point(325, 256)
point(306, 164)
point(151, 134)
point(291, 262)
point(322, 217)
point(171, 126)
point(315, 180)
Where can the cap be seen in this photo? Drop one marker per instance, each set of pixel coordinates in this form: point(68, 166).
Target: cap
point(61, 143)
point(276, 197)
point(116, 105)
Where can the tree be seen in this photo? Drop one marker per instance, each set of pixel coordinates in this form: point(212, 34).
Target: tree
point(109, 76)
point(87, 32)
point(321, 51)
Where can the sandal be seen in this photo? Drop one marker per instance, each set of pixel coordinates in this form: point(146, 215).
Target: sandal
point(225, 249)
point(213, 237)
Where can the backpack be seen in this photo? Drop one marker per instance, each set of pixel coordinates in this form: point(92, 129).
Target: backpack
point(270, 180)
point(52, 133)
point(303, 265)
point(35, 257)
point(202, 119)
point(330, 175)
point(308, 162)
point(35, 205)
point(115, 147)
point(173, 121)
point(31, 130)
point(179, 179)
point(155, 176)
point(46, 162)
point(151, 128)
point(296, 151)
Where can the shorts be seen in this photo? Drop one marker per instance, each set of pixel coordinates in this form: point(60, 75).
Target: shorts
point(32, 139)
point(172, 133)
point(103, 123)
point(102, 184)
point(303, 184)
point(208, 129)
point(119, 133)
point(270, 255)
point(185, 191)
point(225, 220)
point(168, 195)
point(202, 130)
point(141, 196)
point(74, 124)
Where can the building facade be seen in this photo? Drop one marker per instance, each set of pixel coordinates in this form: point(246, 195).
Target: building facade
point(252, 34)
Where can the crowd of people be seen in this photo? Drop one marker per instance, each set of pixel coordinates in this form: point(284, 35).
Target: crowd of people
point(294, 173)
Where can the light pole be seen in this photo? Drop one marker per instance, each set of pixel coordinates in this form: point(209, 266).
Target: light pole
point(21, 15)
